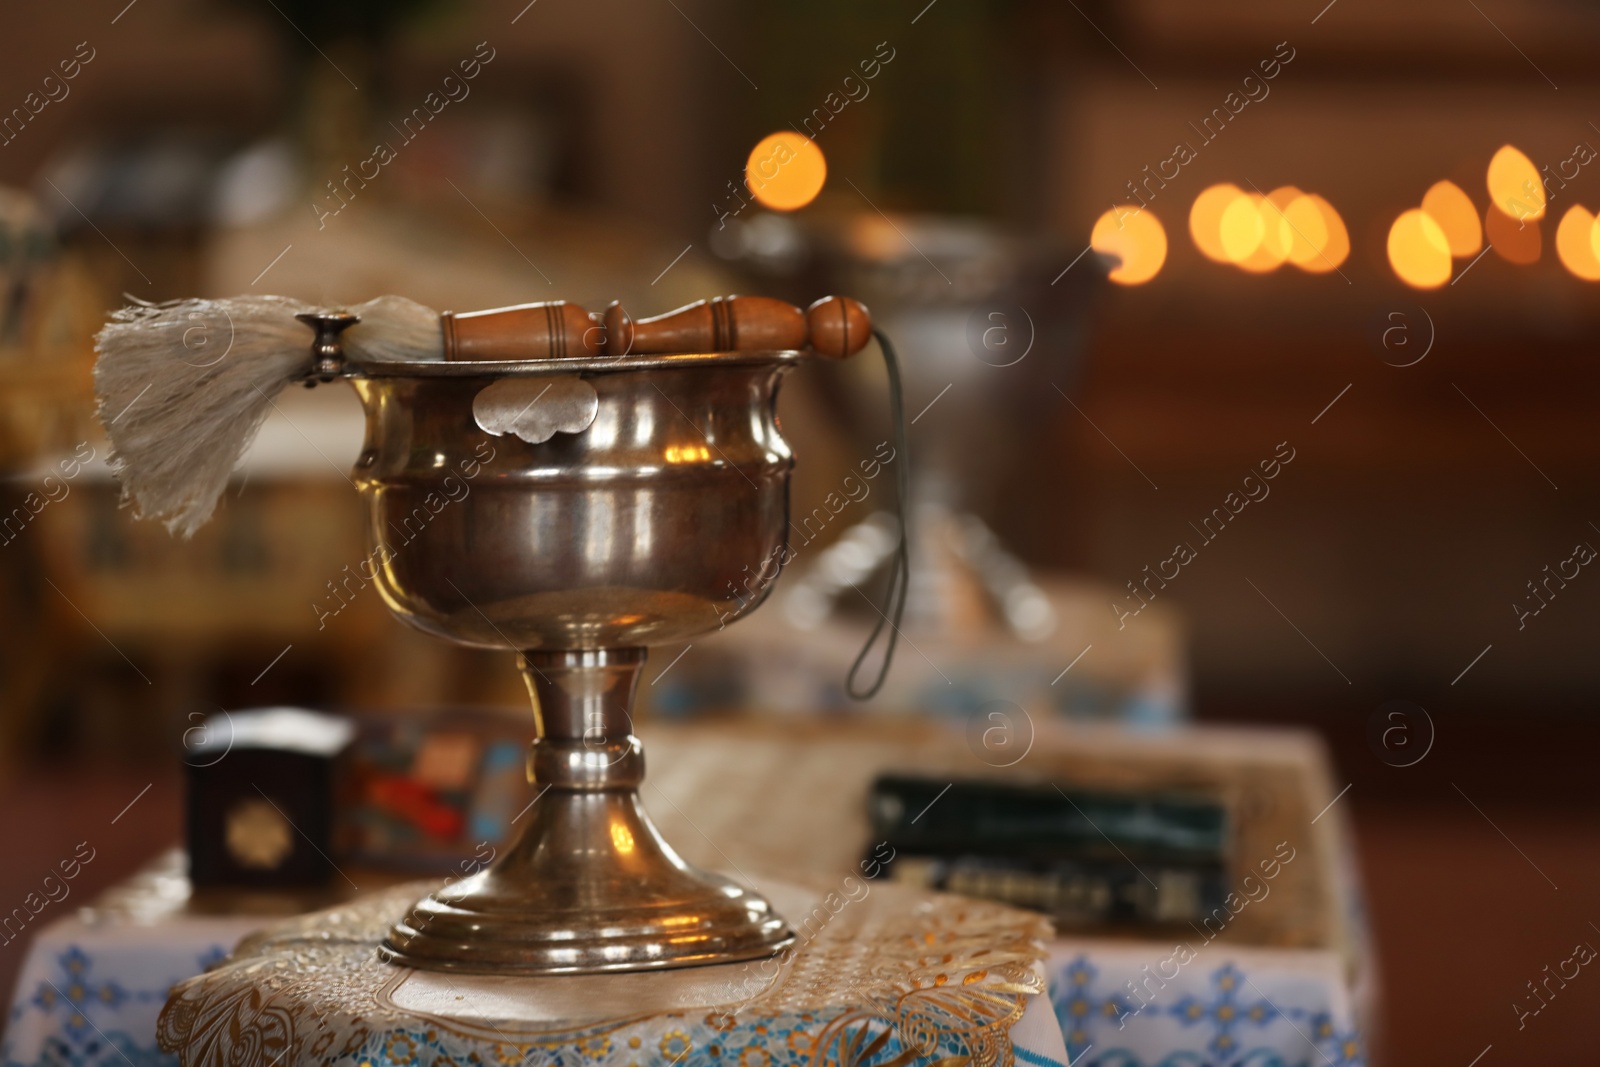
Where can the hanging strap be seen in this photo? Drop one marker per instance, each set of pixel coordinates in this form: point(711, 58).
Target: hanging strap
point(893, 608)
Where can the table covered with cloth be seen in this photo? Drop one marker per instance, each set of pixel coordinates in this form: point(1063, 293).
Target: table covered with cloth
point(1283, 986)
point(91, 991)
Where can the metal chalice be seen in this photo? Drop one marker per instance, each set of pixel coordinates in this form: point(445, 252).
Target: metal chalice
point(663, 484)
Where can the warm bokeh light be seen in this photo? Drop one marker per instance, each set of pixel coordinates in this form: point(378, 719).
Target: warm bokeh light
point(1575, 245)
point(1205, 220)
point(1418, 250)
point(1242, 228)
point(1134, 237)
point(1452, 209)
point(1259, 233)
point(1332, 247)
point(785, 171)
point(1276, 237)
point(1308, 231)
point(1514, 185)
point(1516, 242)
point(1338, 249)
point(1279, 231)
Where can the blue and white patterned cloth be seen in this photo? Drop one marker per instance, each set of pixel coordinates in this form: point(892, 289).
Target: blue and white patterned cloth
point(1133, 1004)
point(89, 993)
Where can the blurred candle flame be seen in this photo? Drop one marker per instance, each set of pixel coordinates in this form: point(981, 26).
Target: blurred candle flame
point(1243, 228)
point(1136, 238)
point(1450, 207)
point(1514, 185)
point(1575, 244)
point(785, 171)
point(1326, 234)
point(1419, 252)
point(1277, 236)
point(1205, 220)
point(1260, 233)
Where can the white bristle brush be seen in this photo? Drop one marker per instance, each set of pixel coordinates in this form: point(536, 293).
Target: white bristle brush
point(183, 386)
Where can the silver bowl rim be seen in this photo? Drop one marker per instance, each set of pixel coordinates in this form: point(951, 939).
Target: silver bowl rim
point(357, 368)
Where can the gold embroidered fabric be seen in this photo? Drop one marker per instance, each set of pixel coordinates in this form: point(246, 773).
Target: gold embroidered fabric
point(879, 978)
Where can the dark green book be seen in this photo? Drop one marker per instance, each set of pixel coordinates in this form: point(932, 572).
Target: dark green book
point(936, 817)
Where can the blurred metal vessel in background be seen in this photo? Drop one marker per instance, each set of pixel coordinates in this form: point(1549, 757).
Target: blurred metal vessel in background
point(991, 327)
point(983, 330)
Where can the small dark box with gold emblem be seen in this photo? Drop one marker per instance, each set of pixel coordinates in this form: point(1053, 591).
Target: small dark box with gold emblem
point(261, 797)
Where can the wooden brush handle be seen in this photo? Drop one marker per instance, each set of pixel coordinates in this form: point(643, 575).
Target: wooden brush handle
point(838, 327)
point(552, 330)
point(834, 326)
point(721, 324)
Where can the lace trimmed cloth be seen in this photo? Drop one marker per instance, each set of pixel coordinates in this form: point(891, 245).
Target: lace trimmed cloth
point(880, 975)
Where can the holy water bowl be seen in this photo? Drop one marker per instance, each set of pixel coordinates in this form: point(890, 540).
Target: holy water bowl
point(577, 511)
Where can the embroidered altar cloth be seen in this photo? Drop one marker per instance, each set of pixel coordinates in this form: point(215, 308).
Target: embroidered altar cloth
point(884, 977)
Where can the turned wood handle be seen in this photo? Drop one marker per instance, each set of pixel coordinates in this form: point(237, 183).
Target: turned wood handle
point(834, 326)
point(721, 324)
point(552, 330)
point(838, 327)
